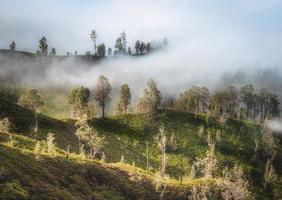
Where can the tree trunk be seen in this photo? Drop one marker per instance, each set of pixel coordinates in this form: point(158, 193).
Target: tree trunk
point(103, 111)
point(95, 48)
point(36, 123)
point(163, 161)
point(261, 112)
point(147, 154)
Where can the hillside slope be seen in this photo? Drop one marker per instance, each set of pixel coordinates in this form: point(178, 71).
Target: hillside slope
point(56, 176)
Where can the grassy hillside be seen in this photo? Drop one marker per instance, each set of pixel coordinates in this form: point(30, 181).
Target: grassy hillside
point(55, 176)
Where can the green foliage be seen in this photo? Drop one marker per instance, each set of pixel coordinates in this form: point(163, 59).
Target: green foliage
point(79, 98)
point(10, 94)
point(126, 135)
point(151, 99)
point(124, 98)
point(22, 119)
point(12, 190)
point(193, 100)
point(31, 100)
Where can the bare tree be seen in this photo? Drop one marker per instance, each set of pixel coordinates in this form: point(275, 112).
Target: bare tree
point(50, 143)
point(207, 166)
point(161, 141)
point(234, 185)
point(5, 125)
point(147, 154)
point(90, 137)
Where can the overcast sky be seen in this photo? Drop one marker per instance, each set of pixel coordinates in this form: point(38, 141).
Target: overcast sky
point(208, 26)
point(207, 38)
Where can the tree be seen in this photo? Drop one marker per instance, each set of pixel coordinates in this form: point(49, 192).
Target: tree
point(193, 100)
point(43, 46)
point(142, 47)
point(13, 46)
point(137, 46)
point(90, 137)
point(32, 100)
point(151, 99)
point(269, 104)
point(274, 110)
point(124, 97)
point(207, 166)
point(101, 50)
point(161, 141)
point(79, 98)
point(119, 45)
point(148, 47)
point(224, 102)
point(248, 98)
point(110, 51)
point(124, 41)
point(94, 36)
point(234, 185)
point(102, 93)
point(51, 147)
point(53, 52)
point(129, 51)
point(5, 125)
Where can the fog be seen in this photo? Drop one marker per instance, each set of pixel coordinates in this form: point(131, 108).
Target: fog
point(210, 43)
point(275, 125)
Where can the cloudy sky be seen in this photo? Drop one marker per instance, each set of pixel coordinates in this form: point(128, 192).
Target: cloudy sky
point(209, 25)
point(207, 38)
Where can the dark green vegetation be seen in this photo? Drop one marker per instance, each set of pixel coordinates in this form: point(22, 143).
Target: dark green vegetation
point(27, 174)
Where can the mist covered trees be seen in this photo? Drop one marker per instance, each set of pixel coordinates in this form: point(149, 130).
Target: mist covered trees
point(194, 100)
point(79, 98)
point(102, 92)
point(32, 100)
point(93, 36)
point(124, 98)
point(151, 99)
point(101, 50)
point(225, 102)
point(43, 46)
point(121, 47)
point(248, 98)
point(110, 51)
point(120, 44)
point(229, 102)
point(53, 52)
point(13, 46)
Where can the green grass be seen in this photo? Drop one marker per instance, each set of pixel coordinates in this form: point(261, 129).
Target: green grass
point(59, 177)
